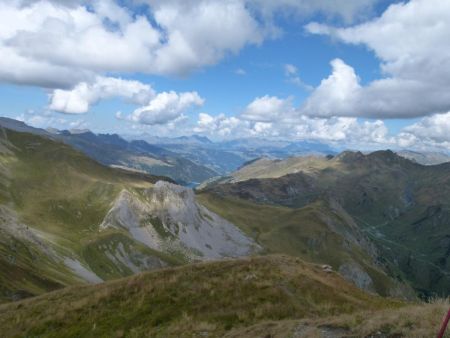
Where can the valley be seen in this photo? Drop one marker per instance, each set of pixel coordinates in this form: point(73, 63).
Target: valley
point(293, 246)
point(399, 206)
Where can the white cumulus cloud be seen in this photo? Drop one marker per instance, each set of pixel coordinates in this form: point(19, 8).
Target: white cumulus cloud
point(430, 131)
point(411, 40)
point(275, 117)
point(79, 99)
point(336, 94)
point(266, 109)
point(166, 107)
point(219, 125)
point(58, 44)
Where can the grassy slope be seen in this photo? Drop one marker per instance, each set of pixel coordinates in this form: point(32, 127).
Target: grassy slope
point(64, 195)
point(300, 232)
point(24, 272)
point(269, 168)
point(213, 297)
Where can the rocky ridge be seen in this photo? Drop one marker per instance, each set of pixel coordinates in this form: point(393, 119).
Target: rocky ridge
point(167, 217)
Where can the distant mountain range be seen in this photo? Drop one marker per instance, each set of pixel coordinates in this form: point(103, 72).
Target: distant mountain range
point(226, 156)
point(113, 150)
point(189, 160)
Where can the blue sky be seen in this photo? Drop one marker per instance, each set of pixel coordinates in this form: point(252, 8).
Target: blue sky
point(287, 69)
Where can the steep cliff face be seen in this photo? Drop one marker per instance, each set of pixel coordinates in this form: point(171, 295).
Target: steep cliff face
point(168, 218)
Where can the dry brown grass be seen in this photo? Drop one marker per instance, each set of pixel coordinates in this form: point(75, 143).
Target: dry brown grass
point(213, 298)
point(414, 321)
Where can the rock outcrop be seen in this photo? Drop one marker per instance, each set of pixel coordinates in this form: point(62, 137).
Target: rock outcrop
point(168, 218)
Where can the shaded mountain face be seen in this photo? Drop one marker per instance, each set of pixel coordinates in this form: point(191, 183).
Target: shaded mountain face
point(400, 206)
point(66, 219)
point(113, 150)
point(320, 232)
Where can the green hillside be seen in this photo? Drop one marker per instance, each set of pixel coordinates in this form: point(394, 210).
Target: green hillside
point(209, 297)
point(274, 296)
point(66, 219)
point(52, 200)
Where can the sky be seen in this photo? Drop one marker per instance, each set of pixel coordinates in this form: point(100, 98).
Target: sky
point(366, 74)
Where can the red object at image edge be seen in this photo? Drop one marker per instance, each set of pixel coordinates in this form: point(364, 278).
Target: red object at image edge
point(444, 325)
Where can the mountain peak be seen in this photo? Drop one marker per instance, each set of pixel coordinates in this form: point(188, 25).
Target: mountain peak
point(198, 139)
point(53, 131)
point(386, 155)
point(203, 139)
point(383, 153)
point(20, 126)
point(76, 131)
point(167, 216)
point(350, 156)
point(380, 155)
